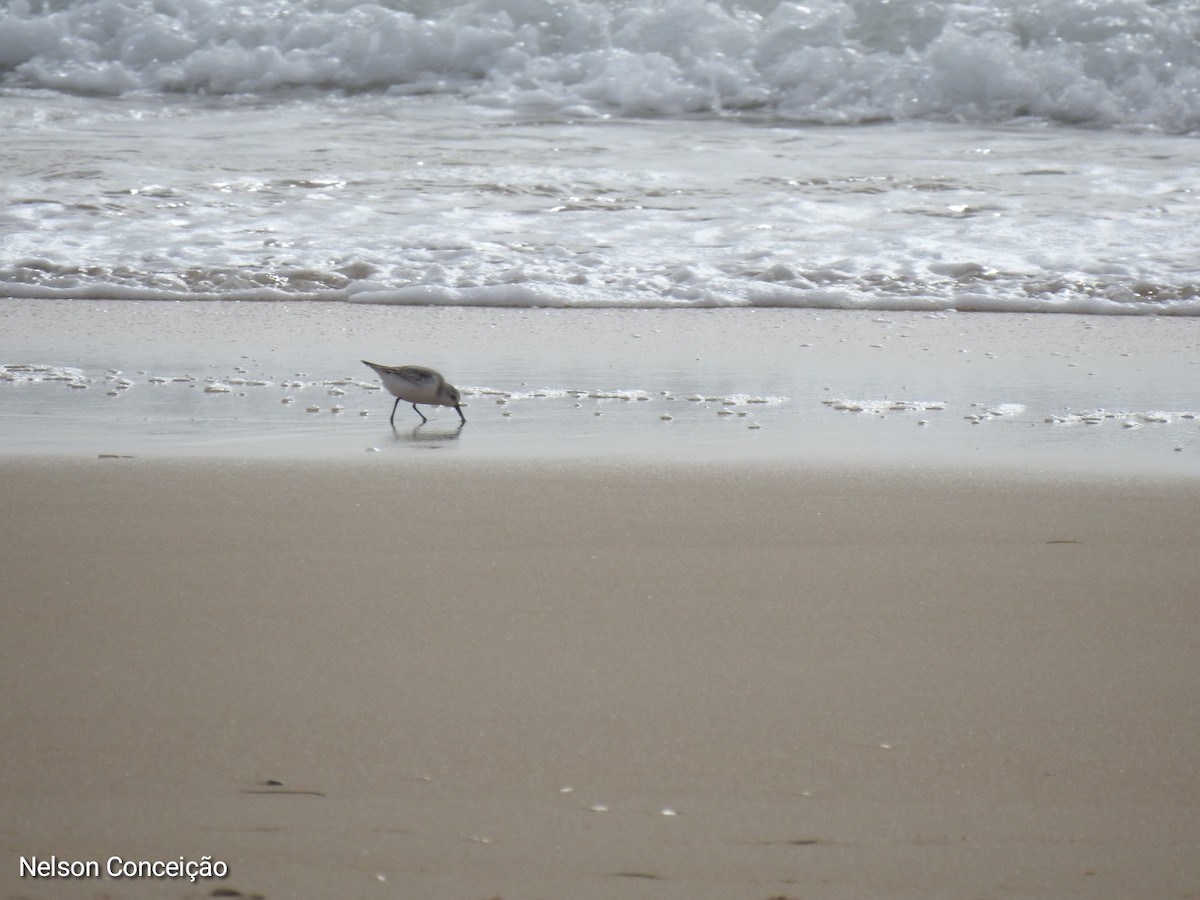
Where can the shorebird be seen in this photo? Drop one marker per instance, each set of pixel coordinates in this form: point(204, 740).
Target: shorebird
point(417, 384)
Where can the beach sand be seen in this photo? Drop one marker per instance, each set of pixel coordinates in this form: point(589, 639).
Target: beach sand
point(607, 639)
point(598, 680)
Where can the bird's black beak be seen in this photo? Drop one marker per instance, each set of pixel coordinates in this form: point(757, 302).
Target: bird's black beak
point(458, 409)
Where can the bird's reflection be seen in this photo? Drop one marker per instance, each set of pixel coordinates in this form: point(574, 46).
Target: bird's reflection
point(427, 435)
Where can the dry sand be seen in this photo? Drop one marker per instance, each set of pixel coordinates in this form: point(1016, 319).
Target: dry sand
point(480, 681)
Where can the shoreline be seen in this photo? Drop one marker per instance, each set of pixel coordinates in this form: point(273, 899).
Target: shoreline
point(788, 387)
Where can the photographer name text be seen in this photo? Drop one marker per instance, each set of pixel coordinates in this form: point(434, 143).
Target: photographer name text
point(118, 867)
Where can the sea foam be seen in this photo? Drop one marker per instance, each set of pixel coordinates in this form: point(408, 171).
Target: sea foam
point(1098, 62)
point(583, 154)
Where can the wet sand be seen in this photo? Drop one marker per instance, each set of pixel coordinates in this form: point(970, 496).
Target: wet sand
point(795, 387)
point(416, 676)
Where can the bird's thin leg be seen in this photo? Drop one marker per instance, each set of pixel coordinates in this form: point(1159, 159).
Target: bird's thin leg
point(394, 405)
point(419, 413)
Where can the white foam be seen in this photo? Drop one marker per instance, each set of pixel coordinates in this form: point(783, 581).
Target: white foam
point(360, 189)
point(1128, 418)
point(1096, 61)
point(882, 406)
point(996, 411)
point(22, 372)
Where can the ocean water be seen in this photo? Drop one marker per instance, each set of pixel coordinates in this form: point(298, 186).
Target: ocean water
point(834, 154)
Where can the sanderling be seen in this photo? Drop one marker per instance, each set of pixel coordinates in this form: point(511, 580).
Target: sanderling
point(417, 384)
